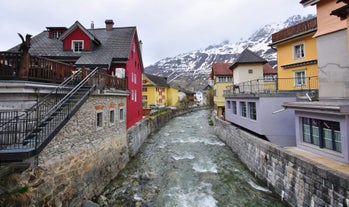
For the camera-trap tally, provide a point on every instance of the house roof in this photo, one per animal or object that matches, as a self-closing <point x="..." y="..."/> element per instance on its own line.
<point x="221" y="69"/>
<point x="247" y="57"/>
<point x="157" y="80"/>
<point x="268" y="69"/>
<point x="114" y="47"/>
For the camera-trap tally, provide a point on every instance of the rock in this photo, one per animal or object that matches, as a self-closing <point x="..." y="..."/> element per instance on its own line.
<point x="88" y="203"/>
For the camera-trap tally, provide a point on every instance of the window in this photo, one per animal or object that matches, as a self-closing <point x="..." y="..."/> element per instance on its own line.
<point x="112" y="117"/>
<point x="228" y="105"/>
<point x="243" y="109"/>
<point x="299" y="78"/>
<point x="99" y="120"/>
<point x="144" y="89"/>
<point x="322" y="133"/>
<point x="77" y="45"/>
<point x="298" y="51"/>
<point x="56" y="34"/>
<point x="121" y="114"/>
<point x="234" y="107"/>
<point x="144" y="97"/>
<point x="225" y="79"/>
<point x="252" y="110"/>
<point x="250" y="71"/>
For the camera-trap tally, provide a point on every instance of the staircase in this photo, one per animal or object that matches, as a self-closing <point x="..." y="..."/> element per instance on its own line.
<point x="24" y="134"/>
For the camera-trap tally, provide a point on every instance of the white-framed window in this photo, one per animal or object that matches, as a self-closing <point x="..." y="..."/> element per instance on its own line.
<point x="225" y="79"/>
<point x="99" y="120"/>
<point x="121" y="114"/>
<point x="299" y="78"/>
<point x="243" y="109"/>
<point x="252" y="110"/>
<point x="77" y="45"/>
<point x="298" y="50"/>
<point x="112" y="117"/>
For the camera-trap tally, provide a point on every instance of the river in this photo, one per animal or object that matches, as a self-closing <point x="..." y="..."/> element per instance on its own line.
<point x="185" y="165"/>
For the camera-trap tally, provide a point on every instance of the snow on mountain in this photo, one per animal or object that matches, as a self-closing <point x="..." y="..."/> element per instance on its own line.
<point x="195" y="66"/>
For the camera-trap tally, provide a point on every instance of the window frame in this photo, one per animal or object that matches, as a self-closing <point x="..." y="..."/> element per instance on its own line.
<point x="297" y="55"/>
<point x="74" y="42"/>
<point x="303" y="79"/>
<point x="252" y="110"/>
<point x="243" y="109"/>
<point x="122" y="114"/>
<point x="99" y="119"/>
<point x="234" y="108"/>
<point x="112" y="117"/>
<point x="314" y="133"/>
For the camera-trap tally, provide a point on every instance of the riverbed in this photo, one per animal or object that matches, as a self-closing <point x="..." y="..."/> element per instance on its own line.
<point x="185" y="165"/>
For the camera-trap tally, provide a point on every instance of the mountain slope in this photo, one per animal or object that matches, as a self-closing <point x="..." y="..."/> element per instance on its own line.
<point x="192" y="68"/>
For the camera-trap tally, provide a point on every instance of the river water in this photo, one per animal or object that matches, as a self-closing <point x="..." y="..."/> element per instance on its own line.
<point x="185" y="165"/>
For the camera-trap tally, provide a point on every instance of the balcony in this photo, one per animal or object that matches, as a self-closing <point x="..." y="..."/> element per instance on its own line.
<point x="273" y="86"/>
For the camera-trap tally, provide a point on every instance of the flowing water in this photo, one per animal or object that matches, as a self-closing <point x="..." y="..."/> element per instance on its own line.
<point x="185" y="165"/>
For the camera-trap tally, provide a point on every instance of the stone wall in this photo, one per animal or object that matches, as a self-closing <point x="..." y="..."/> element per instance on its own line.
<point x="298" y="181"/>
<point x="82" y="158"/>
<point x="137" y="134"/>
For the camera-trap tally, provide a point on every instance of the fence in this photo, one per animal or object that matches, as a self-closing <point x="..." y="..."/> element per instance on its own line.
<point x="274" y="85"/>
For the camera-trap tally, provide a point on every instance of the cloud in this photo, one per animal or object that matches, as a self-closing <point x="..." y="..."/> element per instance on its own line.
<point x="166" y="27"/>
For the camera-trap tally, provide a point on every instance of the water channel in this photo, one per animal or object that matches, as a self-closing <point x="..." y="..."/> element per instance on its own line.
<point x="185" y="165"/>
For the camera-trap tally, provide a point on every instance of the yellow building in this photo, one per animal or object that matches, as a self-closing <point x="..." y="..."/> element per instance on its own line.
<point x="223" y="79"/>
<point x="297" y="56"/>
<point x="156" y="91"/>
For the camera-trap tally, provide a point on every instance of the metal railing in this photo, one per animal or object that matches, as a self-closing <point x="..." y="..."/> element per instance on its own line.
<point x="276" y="85"/>
<point x="25" y="133"/>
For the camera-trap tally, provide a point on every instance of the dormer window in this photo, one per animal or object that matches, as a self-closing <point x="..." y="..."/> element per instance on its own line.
<point x="56" y="34"/>
<point x="77" y="45"/>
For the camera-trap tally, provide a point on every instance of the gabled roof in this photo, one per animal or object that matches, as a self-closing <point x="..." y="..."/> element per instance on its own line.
<point x="115" y="46"/>
<point x="268" y="69"/>
<point x="248" y="57"/>
<point x="73" y="28"/>
<point x="157" y="80"/>
<point x="221" y="69"/>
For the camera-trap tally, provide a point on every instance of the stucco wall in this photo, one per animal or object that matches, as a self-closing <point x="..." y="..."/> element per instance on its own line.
<point x="298" y="181"/>
<point x="333" y="65"/>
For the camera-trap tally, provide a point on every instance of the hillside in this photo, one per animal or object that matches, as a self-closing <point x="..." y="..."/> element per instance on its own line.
<point x="190" y="70"/>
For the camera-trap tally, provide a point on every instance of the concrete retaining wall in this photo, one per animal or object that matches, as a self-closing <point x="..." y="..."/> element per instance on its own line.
<point x="298" y="181"/>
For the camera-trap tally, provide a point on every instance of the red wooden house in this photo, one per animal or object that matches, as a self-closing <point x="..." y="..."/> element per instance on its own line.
<point x="115" y="49"/>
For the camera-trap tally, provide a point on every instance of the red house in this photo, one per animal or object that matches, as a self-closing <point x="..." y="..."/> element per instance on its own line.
<point x="115" y="49"/>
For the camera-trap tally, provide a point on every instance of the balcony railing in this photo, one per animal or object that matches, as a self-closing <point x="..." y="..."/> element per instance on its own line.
<point x="277" y="85"/>
<point x="50" y="71"/>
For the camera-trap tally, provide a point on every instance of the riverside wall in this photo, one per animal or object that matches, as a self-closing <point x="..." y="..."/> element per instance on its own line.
<point x="297" y="180"/>
<point x="77" y="164"/>
<point x="138" y="133"/>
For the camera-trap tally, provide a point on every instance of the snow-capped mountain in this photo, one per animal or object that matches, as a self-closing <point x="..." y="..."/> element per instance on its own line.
<point x="195" y="66"/>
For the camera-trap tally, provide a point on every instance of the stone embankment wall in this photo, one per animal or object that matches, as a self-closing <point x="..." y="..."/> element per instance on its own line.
<point x="298" y="181"/>
<point x="81" y="159"/>
<point x="138" y="133"/>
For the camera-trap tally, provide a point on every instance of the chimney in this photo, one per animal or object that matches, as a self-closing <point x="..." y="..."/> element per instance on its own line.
<point x="109" y="24"/>
<point x="92" y="25"/>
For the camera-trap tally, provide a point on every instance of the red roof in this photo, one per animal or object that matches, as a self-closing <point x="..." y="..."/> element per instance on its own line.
<point x="222" y="69"/>
<point x="267" y="69"/>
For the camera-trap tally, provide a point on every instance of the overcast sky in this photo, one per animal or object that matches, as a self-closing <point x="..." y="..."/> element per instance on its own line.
<point x="166" y="27"/>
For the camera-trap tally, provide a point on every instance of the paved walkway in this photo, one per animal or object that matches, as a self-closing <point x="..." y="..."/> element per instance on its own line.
<point x="327" y="162"/>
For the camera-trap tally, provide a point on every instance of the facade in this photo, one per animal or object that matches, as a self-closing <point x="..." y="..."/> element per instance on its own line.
<point x="322" y="126"/>
<point x="254" y="104"/>
<point x="222" y="78"/>
<point x="297" y="56"/>
<point x="115" y="49"/>
<point x="156" y="91"/>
